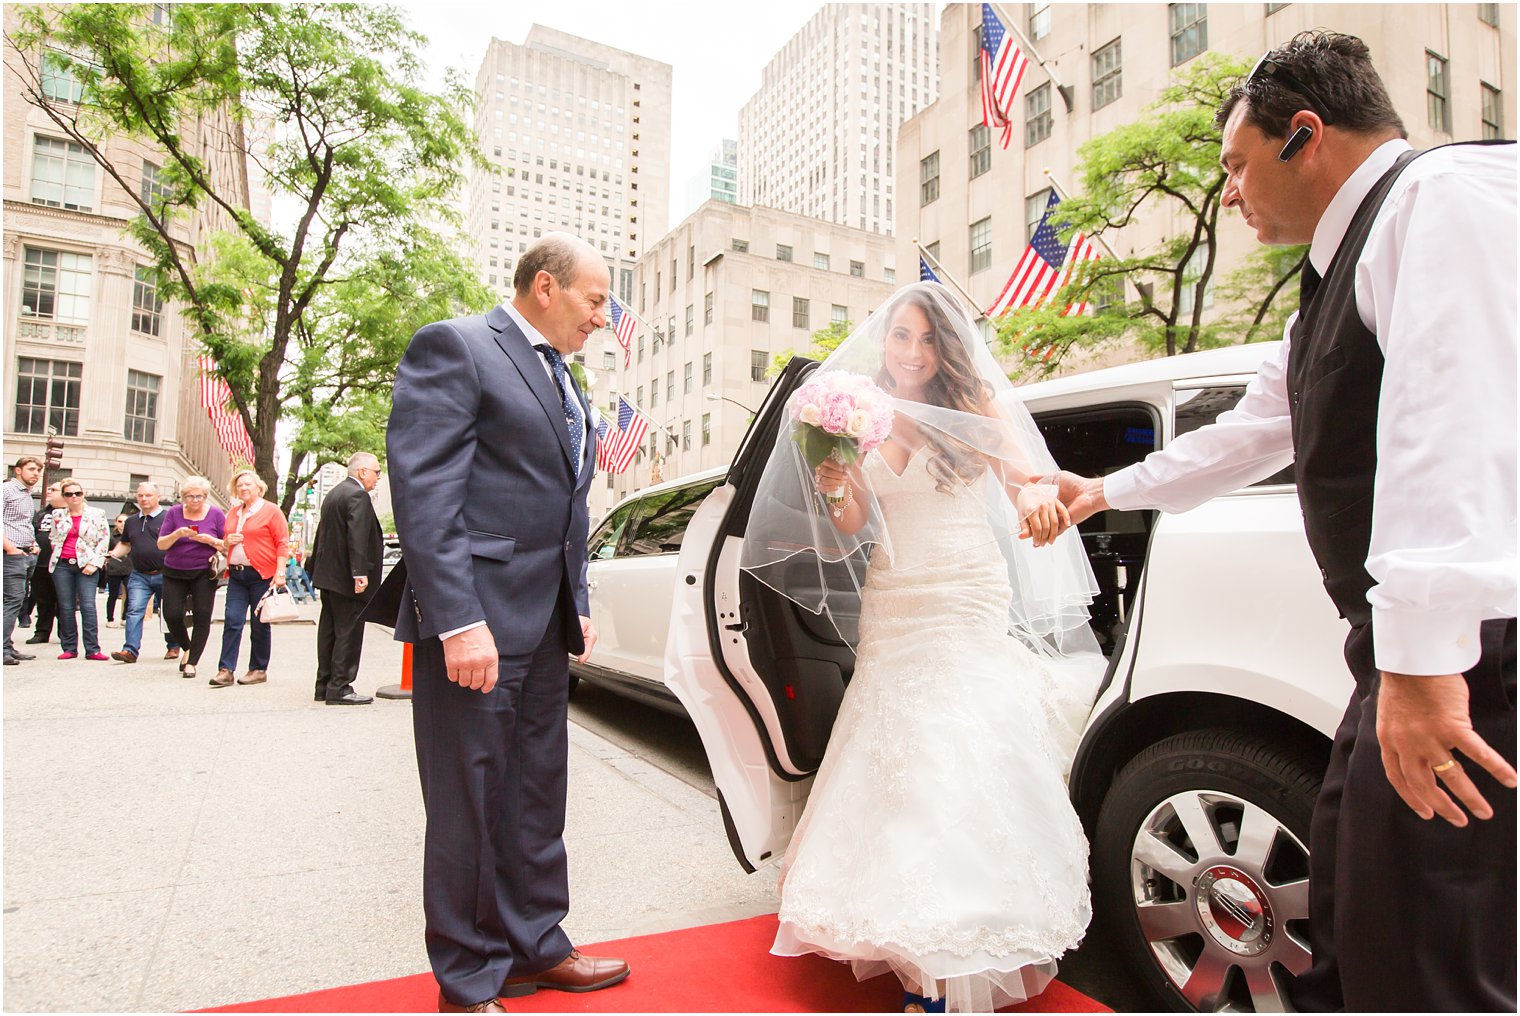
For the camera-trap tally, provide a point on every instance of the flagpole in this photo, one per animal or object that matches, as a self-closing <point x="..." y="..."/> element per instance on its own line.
<point x="946" y="276"/>
<point x="1064" y="194"/>
<point x="629" y="311"/>
<point x="641" y="411"/>
<point x="1067" y="93"/>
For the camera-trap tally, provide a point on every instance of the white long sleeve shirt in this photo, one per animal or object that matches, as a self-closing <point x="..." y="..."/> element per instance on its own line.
<point x="1436" y="283"/>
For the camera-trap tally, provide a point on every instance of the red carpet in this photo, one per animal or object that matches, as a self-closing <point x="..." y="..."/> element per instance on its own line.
<point x="716" y="968"/>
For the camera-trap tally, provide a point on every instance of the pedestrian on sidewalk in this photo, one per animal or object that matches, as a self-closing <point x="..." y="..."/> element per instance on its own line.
<point x="118" y="568"/>
<point x="20" y="546"/>
<point x="257" y="545"/>
<point x="41" y="597"/>
<point x="80" y="536"/>
<point x="146" y="582"/>
<point x="345" y="562"/>
<point x="191" y="534"/>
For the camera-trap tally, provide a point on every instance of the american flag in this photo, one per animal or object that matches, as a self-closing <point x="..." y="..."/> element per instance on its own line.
<point x="622" y="326"/>
<point x="1046" y="266"/>
<point x="216" y="400"/>
<point x="1003" y="66"/>
<point x="615" y="448"/>
<point x="925" y="273"/>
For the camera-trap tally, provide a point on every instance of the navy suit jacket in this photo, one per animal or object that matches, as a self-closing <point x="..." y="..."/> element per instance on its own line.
<point x="489" y="508"/>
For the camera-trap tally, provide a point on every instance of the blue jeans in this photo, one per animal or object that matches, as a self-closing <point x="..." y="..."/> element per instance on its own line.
<point x="76" y="591"/>
<point x="245" y="587"/>
<point x="18" y="572"/>
<point x="140" y="589"/>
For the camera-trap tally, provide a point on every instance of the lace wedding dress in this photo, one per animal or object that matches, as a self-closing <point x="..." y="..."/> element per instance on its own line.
<point x="938" y="841"/>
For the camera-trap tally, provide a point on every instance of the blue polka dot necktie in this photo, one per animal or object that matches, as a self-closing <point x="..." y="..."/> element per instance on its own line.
<point x="575" y="417"/>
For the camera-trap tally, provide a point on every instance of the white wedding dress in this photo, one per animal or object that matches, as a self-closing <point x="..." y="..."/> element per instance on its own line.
<point x="938" y="840"/>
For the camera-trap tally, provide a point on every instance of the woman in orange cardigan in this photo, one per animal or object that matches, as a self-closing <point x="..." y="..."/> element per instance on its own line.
<point x="257" y="545"/>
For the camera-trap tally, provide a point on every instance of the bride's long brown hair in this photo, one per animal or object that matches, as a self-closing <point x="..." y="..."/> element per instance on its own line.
<point x="955" y="386"/>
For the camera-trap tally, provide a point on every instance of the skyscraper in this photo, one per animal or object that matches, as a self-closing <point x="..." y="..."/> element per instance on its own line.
<point x="818" y="138"/>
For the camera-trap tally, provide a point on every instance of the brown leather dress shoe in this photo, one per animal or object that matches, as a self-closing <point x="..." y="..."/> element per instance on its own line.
<point x="489" y="1005"/>
<point x="254" y="677"/>
<point x="171" y="654"/>
<point x="223" y="679"/>
<point x="125" y="656"/>
<point x="573" y="973"/>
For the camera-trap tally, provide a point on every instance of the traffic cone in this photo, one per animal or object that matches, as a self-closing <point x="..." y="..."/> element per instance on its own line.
<point x="404" y="689"/>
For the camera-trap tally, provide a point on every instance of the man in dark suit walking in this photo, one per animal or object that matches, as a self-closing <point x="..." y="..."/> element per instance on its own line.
<point x="345" y="565"/>
<point x="491" y="456"/>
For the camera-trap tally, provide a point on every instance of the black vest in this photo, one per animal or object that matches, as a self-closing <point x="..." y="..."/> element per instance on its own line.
<point x="1335" y="375"/>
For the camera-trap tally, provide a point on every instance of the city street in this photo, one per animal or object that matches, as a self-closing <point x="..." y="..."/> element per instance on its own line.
<point x="170" y="846"/>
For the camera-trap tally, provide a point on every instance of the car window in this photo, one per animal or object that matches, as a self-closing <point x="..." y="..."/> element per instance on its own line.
<point x="604" y="542"/>
<point x="1199" y="407"/>
<point x="660" y="522"/>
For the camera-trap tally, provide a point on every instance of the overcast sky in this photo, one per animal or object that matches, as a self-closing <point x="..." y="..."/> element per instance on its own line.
<point x="716" y="51"/>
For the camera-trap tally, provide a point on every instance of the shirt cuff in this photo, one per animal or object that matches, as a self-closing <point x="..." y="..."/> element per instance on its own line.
<point x="1121" y="491"/>
<point x="456" y="631"/>
<point x="1425" y="643"/>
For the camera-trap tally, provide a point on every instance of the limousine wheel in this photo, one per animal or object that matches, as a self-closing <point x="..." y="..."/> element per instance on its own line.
<point x="1201" y="870"/>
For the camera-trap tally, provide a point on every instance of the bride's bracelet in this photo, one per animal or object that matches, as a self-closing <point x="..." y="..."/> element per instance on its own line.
<point x="837" y="508"/>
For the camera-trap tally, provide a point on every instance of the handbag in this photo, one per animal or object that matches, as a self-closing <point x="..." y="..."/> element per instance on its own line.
<point x="278" y="604"/>
<point x="218" y="564"/>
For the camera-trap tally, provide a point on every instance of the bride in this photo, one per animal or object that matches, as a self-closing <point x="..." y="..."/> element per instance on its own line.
<point x="938" y="841"/>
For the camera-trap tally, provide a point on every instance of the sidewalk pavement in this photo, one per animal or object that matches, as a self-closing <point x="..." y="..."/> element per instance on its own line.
<point x="170" y="846"/>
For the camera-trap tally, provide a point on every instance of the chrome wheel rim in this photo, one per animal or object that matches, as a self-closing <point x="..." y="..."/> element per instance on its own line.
<point x="1221" y="891"/>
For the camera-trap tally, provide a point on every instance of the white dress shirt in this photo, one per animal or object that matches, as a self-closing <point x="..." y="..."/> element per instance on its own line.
<point x="1436" y="283"/>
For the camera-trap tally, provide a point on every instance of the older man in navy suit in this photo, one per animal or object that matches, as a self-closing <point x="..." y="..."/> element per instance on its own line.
<point x="491" y="454"/>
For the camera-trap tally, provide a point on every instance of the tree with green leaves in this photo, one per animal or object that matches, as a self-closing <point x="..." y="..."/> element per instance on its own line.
<point x="306" y="320"/>
<point x="820" y="344"/>
<point x="1163" y="166"/>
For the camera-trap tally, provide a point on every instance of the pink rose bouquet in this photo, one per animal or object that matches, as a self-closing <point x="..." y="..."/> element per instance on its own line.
<point x="839" y="415"/>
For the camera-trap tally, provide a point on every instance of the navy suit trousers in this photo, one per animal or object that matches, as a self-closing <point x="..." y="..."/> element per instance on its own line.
<point x="493" y="770"/>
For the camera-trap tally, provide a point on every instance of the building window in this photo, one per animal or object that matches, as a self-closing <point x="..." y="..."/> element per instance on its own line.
<point x="820" y="261"/>
<point x="1190" y="276"/>
<point x="142" y="407"/>
<point x="933" y="251"/>
<point x="1039" y="22"/>
<point x="63" y="175"/>
<point x="981" y="245"/>
<point x="147" y="308"/>
<point x="609" y="360"/>
<point x="757" y="364"/>
<point x="976" y="52"/>
<point x="641" y="349"/>
<point x="691" y="256"/>
<point x="691" y="319"/>
<point x="889" y="274"/>
<point x="707" y="309"/>
<point x="839" y="314"/>
<point x="981" y="150"/>
<point x="655" y="343"/>
<point x="654" y="395"/>
<point x="1034" y="211"/>
<point x="707" y="428"/>
<point x="685" y="435"/>
<point x="1037" y="119"/>
<point x="670" y="386"/>
<point x="799" y="312"/>
<point x="1489" y="14"/>
<point x="928" y="178"/>
<point x="741" y="246"/>
<point x="56" y="285"/>
<point x="783" y="252"/>
<point x="1491" y="112"/>
<point x="1190" y="31"/>
<point x="1437" y="88"/>
<point x="858" y="269"/>
<point x="686" y="379"/>
<point x="152" y="189"/>
<point x="706" y="370"/>
<point x="639" y="398"/>
<point x="670" y="329"/>
<point x="47" y="395"/>
<point x="759" y="305"/>
<point x="1107" y="74"/>
<point x="60" y="83"/>
<point x="1108" y="295"/>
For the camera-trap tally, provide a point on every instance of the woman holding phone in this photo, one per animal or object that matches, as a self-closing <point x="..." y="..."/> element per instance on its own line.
<point x="192" y="532"/>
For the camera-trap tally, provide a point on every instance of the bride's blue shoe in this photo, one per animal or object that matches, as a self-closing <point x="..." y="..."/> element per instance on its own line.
<point x="918" y="1003"/>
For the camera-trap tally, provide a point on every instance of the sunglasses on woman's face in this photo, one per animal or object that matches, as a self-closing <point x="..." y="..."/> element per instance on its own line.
<point x="73" y="493"/>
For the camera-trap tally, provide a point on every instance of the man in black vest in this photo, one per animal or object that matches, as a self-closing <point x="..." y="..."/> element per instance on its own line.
<point x="345" y="565"/>
<point x="1394" y="396"/>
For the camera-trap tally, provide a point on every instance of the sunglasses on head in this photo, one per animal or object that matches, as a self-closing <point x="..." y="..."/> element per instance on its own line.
<point x="1269" y="69"/>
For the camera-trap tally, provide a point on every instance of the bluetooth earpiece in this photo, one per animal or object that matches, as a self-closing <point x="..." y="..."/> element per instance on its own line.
<point x="1298" y="140"/>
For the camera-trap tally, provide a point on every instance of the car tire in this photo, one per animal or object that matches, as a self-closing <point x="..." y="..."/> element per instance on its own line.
<point x="1200" y="869"/>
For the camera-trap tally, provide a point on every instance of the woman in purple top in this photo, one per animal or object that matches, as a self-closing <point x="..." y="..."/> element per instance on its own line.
<point x="191" y="532"/>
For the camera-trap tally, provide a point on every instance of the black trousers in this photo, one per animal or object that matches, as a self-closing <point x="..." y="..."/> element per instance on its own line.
<point x="1409" y="915"/>
<point x="41" y="602"/>
<point x="493" y="769"/>
<point x="340" y="640"/>
<point x="200" y="592"/>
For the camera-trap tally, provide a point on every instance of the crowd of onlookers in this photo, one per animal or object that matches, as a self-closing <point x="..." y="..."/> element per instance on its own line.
<point x="159" y="560"/>
<point x="169" y="557"/>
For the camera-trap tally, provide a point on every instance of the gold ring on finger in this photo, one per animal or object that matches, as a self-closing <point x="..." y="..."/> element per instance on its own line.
<point x="1444" y="766"/>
